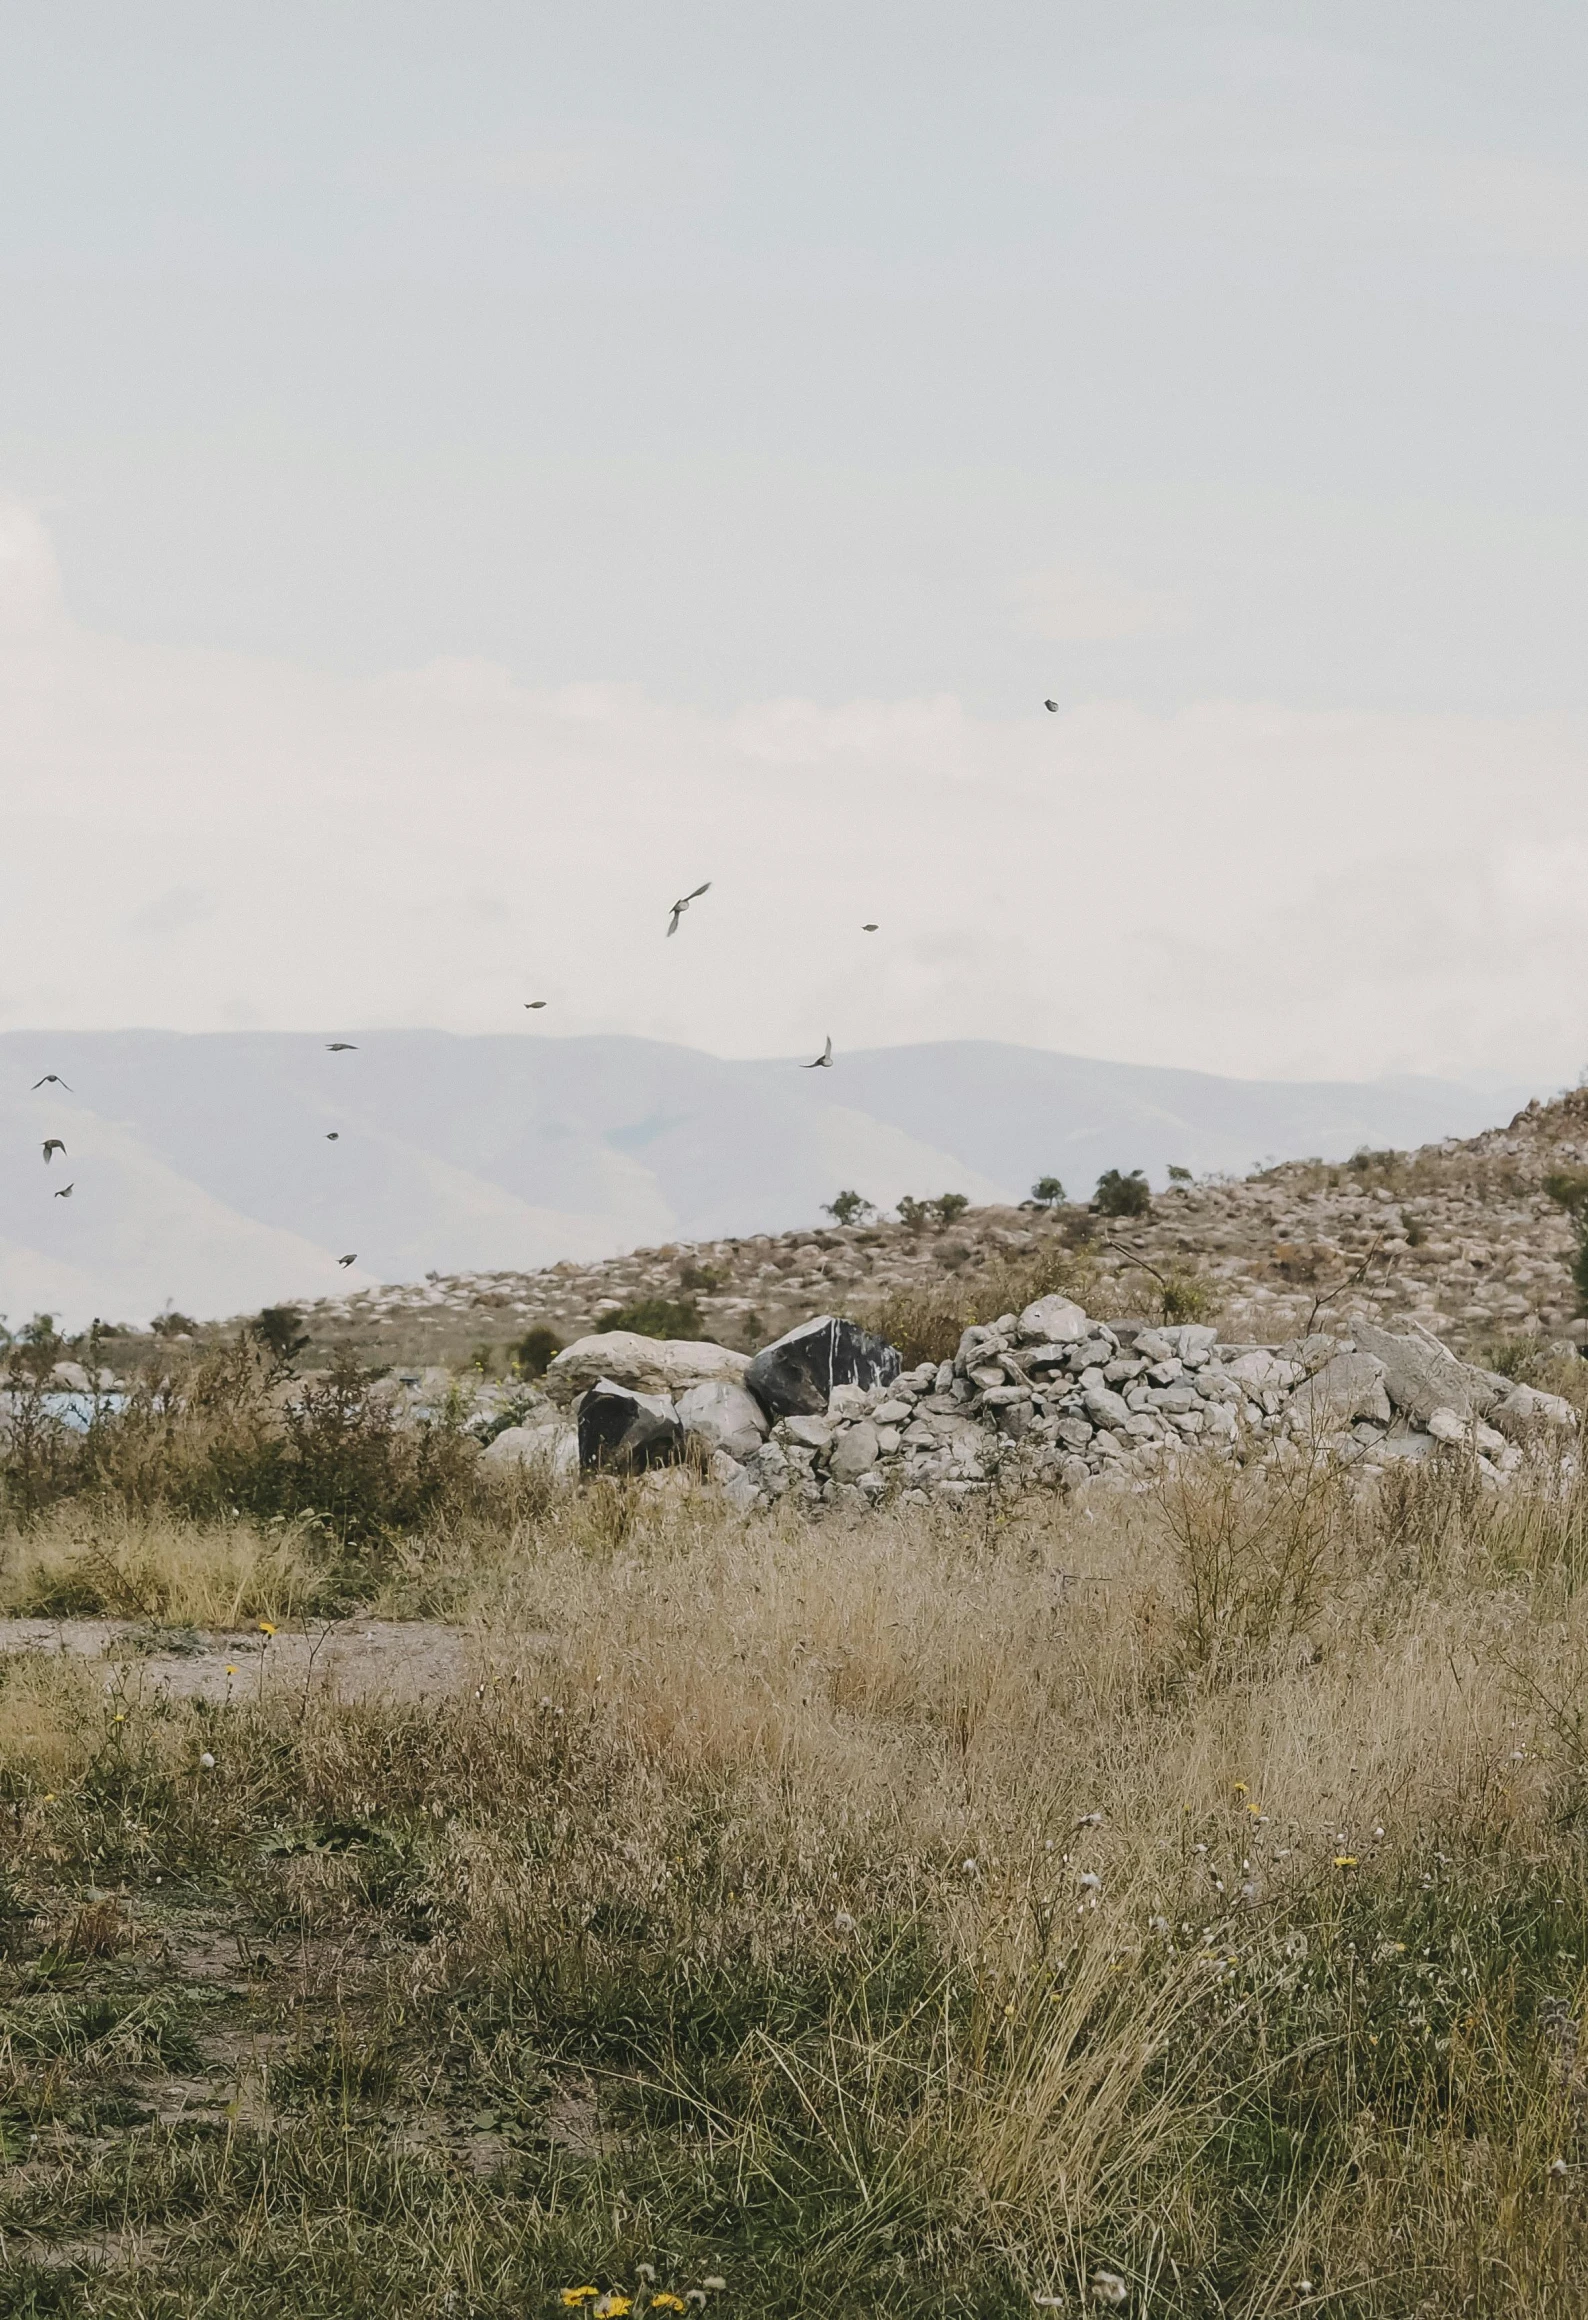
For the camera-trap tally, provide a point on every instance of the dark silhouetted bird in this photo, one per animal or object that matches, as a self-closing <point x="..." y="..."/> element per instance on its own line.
<point x="870" y="926"/>
<point x="50" y="1079"/>
<point x="332" y="1135"/>
<point x="683" y="903"/>
<point x="532" y="1004"/>
<point x="52" y="1145"/>
<point x="1053" y="705"/>
<point x="349" y="1260"/>
<point x="824" y="1062"/>
<point x="340" y="1047"/>
<point x="66" y="1191"/>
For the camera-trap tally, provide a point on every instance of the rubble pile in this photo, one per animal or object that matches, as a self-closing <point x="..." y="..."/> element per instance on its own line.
<point x="1050" y="1396"/>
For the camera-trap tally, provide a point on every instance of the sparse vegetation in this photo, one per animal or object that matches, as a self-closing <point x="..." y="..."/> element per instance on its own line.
<point x="1049" y="1191"/>
<point x="927" y="1321"/>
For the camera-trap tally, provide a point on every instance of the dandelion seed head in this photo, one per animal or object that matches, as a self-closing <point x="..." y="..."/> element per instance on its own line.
<point x="843" y="1922"/>
<point x="208" y="1761"/>
<point x="715" y="2282"/>
<point x="1557" y="2166"/>
<point x="1109" y="2288"/>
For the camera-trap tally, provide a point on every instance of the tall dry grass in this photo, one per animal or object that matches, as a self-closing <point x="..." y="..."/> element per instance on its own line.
<point x="918" y="1915"/>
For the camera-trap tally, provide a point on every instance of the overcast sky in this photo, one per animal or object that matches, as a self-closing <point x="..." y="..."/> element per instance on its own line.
<point x="470" y="471"/>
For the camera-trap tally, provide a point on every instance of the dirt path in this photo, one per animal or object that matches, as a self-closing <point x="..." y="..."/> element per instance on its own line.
<point x="354" y="1658"/>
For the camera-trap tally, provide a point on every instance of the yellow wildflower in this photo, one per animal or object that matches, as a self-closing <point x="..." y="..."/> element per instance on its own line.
<point x="1345" y="1860"/>
<point x="574" y="2297"/>
<point x="666" y="2302"/>
<point x="267" y="1627"/>
<point x="1241" y="1788"/>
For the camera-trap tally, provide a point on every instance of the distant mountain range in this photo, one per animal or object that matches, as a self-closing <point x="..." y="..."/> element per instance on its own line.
<point x="222" y="1171"/>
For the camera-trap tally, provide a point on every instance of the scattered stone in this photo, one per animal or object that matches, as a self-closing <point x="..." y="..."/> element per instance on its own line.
<point x="797" y="1372"/>
<point x="719" y="1415"/>
<point x="623" y="1432"/>
<point x="1421" y="1377"/>
<point x="555" y="1445"/>
<point x="646" y="1365"/>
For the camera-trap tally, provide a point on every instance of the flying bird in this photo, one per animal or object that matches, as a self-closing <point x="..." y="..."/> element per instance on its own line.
<point x="331" y="1135"/>
<point x="340" y="1047"/>
<point x="50" y="1079"/>
<point x="1053" y="705"/>
<point x="824" y="1062"/>
<point x="683" y="903"/>
<point x="870" y="926"/>
<point x="349" y="1260"/>
<point x="534" y="1003"/>
<point x="52" y="1145"/>
<point x="65" y="1191"/>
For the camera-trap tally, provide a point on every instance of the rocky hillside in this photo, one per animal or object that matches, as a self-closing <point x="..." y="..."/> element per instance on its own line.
<point x="1460" y="1237"/>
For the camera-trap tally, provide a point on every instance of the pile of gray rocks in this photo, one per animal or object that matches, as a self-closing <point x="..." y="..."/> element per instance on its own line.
<point x="827" y="1415"/>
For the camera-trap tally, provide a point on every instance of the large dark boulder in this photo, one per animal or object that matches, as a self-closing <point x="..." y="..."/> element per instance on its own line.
<point x="622" y="1432"/>
<point x="792" y="1377"/>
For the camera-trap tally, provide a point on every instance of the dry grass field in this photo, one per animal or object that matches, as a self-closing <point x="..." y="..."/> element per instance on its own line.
<point x="1176" y="1903"/>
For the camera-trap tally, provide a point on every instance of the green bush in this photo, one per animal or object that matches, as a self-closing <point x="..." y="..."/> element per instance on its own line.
<point x="1118" y="1195"/>
<point x="535" y="1351"/>
<point x="1568" y="1188"/>
<point x="1048" y="1190"/>
<point x="848" y="1208"/>
<point x="658" y="1317"/>
<point x="280" y="1330"/>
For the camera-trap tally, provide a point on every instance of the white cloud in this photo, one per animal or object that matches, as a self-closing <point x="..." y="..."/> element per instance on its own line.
<point x="1236" y="887"/>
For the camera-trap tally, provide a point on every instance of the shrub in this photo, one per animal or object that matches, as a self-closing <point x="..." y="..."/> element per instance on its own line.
<point x="1181" y="1176"/>
<point x="915" y="1215"/>
<point x="1568" y="1188"/>
<point x="1185" y="1297"/>
<point x="927" y="1319"/>
<point x="658" y="1317"/>
<point x="1048" y="1190"/>
<point x="535" y="1351"/>
<point x="950" y="1206"/>
<point x="279" y="1329"/>
<point x="1118" y="1195"/>
<point x="848" y="1208"/>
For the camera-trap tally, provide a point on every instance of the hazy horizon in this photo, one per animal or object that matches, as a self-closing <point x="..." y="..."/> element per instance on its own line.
<point x="467" y="478"/>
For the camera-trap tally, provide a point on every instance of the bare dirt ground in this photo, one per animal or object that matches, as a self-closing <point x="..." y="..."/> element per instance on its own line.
<point x="350" y="1659"/>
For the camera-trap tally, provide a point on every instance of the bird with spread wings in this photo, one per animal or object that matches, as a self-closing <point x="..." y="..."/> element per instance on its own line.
<point x="683" y="903"/>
